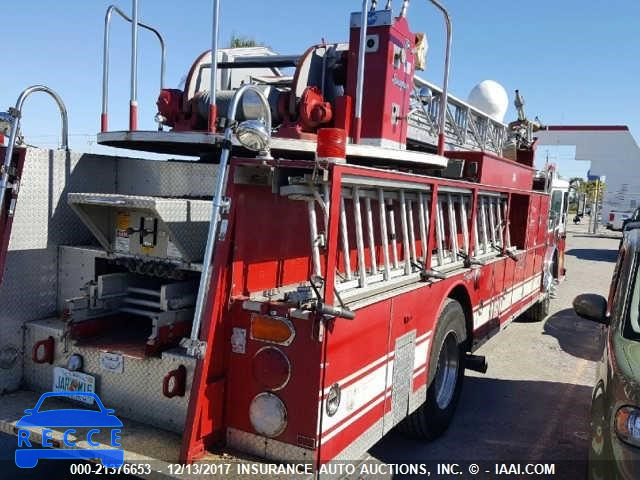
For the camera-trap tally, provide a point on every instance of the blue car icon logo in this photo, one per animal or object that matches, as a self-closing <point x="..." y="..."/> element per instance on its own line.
<point x="98" y="422"/>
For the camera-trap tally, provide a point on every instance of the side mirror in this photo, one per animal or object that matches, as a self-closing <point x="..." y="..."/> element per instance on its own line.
<point x="592" y="307"/>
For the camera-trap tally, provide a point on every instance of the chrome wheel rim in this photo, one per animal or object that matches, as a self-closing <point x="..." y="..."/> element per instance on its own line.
<point x="447" y="371"/>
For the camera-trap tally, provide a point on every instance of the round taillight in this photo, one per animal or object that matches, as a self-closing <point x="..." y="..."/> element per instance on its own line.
<point x="268" y="415"/>
<point x="271" y="368"/>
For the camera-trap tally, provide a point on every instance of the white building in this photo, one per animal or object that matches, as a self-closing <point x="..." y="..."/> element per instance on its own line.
<point x="613" y="153"/>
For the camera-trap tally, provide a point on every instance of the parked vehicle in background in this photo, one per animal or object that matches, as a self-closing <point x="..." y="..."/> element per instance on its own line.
<point x="617" y="219"/>
<point x="615" y="410"/>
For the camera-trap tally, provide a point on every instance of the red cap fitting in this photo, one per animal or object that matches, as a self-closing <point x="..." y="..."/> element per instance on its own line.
<point x="133" y="116"/>
<point x="332" y="143"/>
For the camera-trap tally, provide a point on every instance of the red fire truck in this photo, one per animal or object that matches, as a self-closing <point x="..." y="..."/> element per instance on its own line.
<point x="349" y="235"/>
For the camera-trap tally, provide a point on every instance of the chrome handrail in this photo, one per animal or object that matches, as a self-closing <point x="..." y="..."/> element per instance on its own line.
<point x="360" y="72"/>
<point x="105" y="61"/>
<point x="213" y="87"/>
<point x="195" y="347"/>
<point x="16" y="113"/>
<point x="445" y="82"/>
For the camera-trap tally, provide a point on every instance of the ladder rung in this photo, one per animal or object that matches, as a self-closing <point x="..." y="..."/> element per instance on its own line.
<point x="422" y="225"/>
<point x="346" y="253"/>
<point x="371" y="236"/>
<point x="483" y="214"/>
<point x="412" y="235"/>
<point x="362" y="270"/>
<point x="465" y="224"/>
<point x="393" y="237"/>
<point x="453" y="229"/>
<point x="313" y="231"/>
<point x="384" y="234"/>
<point x="405" y="233"/>
<point x="439" y="233"/>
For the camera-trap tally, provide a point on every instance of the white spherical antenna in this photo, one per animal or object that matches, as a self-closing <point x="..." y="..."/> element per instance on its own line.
<point x="491" y="98"/>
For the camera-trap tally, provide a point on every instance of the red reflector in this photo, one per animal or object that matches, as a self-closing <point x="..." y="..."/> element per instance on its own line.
<point x="271" y="368"/>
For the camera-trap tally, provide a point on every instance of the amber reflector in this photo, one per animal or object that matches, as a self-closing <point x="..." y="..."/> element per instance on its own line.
<point x="270" y="329"/>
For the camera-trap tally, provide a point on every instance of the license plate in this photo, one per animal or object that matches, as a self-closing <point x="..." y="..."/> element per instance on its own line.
<point x="67" y="381"/>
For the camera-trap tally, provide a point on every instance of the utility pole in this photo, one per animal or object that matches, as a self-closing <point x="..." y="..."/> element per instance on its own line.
<point x="594" y="208"/>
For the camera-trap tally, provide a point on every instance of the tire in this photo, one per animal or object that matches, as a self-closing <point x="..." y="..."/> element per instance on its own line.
<point x="432" y="418"/>
<point x="539" y="311"/>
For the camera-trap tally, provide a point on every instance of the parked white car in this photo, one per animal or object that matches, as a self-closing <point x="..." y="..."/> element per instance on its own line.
<point x="617" y="218"/>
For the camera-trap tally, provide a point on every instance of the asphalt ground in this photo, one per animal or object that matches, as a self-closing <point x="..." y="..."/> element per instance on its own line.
<point x="532" y="405"/>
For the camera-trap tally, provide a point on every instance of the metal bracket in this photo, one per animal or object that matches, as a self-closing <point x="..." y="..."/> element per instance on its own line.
<point x="225" y="205"/>
<point x="195" y="348"/>
<point x="15" y="113"/>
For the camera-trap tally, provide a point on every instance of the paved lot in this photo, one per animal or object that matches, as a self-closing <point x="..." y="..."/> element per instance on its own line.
<point x="532" y="405"/>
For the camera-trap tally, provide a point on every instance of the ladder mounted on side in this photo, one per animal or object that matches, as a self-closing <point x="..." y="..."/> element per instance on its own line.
<point x="389" y="224"/>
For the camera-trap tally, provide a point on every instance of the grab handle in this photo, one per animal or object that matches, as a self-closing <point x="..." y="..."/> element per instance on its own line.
<point x="47" y="351"/>
<point x="177" y="387"/>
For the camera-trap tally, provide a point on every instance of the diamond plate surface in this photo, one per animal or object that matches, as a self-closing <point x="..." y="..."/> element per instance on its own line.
<point x="136" y="393"/>
<point x="34" y="286"/>
<point x="417" y="398"/>
<point x="76" y="269"/>
<point x="402" y="375"/>
<point x="185" y="221"/>
<point x="267" y="448"/>
<point x="167" y="179"/>
<point x="42" y="221"/>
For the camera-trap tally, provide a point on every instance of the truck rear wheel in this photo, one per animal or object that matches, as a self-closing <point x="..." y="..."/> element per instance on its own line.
<point x="446" y="373"/>
<point x="539" y="310"/>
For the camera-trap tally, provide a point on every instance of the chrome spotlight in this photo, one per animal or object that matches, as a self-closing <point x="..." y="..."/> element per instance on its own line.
<point x="253" y="135"/>
<point x="425" y="95"/>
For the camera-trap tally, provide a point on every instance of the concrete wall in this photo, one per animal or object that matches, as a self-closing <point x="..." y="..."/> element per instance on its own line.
<point x="613" y="152"/>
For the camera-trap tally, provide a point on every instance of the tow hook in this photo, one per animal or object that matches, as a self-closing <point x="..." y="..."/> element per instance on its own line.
<point x="477" y="363"/>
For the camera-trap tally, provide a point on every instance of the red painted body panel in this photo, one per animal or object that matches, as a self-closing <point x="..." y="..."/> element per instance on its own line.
<point x="494" y="170"/>
<point x="267" y="247"/>
<point x="305" y="356"/>
<point x="389" y="81"/>
<point x="6" y="220"/>
<point x="278" y="253"/>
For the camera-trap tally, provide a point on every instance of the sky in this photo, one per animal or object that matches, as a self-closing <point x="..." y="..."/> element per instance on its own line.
<point x="575" y="61"/>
